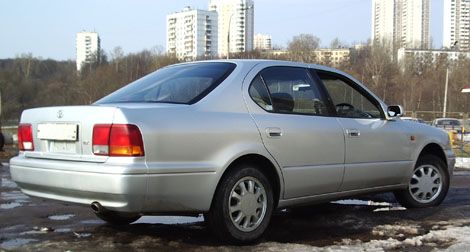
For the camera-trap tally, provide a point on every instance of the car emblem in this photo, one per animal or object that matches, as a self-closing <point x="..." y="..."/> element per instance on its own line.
<point x="60" y="114"/>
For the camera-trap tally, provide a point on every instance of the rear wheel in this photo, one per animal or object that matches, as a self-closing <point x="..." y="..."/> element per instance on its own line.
<point x="428" y="185"/>
<point x="242" y="206"/>
<point x="116" y="218"/>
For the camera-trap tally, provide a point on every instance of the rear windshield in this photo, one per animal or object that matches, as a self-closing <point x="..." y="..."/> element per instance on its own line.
<point x="448" y="122"/>
<point x="184" y="84"/>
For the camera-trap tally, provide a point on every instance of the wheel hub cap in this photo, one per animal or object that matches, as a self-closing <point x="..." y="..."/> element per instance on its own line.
<point x="247" y="204"/>
<point x="425" y="184"/>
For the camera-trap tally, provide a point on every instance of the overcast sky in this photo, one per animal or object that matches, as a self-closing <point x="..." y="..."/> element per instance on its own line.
<point x="47" y="28"/>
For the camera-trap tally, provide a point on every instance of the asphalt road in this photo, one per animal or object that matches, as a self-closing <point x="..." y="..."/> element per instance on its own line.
<point x="372" y="223"/>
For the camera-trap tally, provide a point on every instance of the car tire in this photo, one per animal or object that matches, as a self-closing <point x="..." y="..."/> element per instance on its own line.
<point x="428" y="185"/>
<point x="116" y="218"/>
<point x="242" y="206"/>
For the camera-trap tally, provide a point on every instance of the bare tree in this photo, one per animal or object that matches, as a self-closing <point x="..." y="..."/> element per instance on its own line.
<point x="302" y="47"/>
<point x="336" y="43"/>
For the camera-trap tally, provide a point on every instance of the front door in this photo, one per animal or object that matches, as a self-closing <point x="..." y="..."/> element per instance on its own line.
<point x="377" y="152"/>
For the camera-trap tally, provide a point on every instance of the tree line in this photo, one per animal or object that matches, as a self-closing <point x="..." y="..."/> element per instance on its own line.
<point x="417" y="83"/>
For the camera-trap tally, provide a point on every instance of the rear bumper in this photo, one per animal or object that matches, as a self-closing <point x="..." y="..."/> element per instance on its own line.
<point x="125" y="188"/>
<point x="74" y="182"/>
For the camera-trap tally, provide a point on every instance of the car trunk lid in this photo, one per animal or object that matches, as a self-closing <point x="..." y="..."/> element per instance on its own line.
<point x="66" y="133"/>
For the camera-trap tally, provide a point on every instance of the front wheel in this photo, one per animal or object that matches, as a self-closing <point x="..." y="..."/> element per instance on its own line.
<point x="242" y="206"/>
<point x="428" y="185"/>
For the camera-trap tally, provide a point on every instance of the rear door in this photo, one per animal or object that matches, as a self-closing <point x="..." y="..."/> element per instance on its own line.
<point x="294" y="123"/>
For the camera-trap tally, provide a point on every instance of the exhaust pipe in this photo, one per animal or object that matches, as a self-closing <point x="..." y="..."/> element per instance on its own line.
<point x="97" y="207"/>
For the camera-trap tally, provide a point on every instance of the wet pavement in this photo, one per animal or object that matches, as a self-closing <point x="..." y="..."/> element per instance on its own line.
<point x="368" y="223"/>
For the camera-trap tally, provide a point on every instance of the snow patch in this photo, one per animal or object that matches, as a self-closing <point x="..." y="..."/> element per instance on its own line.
<point x="463" y="163"/>
<point x="61" y="217"/>
<point x="361" y="202"/>
<point x="6" y="183"/>
<point x="15" y="243"/>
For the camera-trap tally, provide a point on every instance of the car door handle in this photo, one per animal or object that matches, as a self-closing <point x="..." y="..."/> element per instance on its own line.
<point x="353" y="133"/>
<point x="274" y="132"/>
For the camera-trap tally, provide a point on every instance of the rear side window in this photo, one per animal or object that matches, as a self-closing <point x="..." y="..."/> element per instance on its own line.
<point x="185" y="84"/>
<point x="260" y="95"/>
<point x="287" y="90"/>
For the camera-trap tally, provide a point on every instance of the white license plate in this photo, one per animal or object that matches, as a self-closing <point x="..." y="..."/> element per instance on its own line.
<point x="62" y="147"/>
<point x="56" y="131"/>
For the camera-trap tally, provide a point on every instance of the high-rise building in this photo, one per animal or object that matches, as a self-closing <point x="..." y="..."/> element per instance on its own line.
<point x="236" y="24"/>
<point x="402" y="23"/>
<point x="88" y="48"/>
<point x="263" y="42"/>
<point x="192" y="34"/>
<point x="456" y="33"/>
<point x="413" y="28"/>
<point x="383" y="20"/>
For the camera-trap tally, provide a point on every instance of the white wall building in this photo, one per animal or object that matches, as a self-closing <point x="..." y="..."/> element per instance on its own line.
<point x="88" y="48"/>
<point x="383" y="20"/>
<point x="414" y="30"/>
<point x="433" y="55"/>
<point x="404" y="23"/>
<point x="456" y="24"/>
<point x="192" y="34"/>
<point x="236" y="23"/>
<point x="263" y="42"/>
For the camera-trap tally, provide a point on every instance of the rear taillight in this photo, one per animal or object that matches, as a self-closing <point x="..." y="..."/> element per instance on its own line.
<point x="122" y="140"/>
<point x="25" y="137"/>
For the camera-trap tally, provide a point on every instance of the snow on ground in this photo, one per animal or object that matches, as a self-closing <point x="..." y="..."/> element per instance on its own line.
<point x="444" y="235"/>
<point x="463" y="163"/>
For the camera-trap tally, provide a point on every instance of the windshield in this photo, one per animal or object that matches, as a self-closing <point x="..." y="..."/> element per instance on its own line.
<point x="184" y="84"/>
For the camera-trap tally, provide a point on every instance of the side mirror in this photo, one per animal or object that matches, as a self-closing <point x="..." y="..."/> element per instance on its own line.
<point x="395" y="111"/>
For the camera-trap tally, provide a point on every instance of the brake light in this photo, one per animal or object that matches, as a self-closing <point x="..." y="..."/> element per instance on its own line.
<point x="25" y="137"/>
<point x="123" y="140"/>
<point x="101" y="139"/>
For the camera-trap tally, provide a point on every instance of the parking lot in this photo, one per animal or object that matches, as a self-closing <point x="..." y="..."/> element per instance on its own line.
<point x="372" y="223"/>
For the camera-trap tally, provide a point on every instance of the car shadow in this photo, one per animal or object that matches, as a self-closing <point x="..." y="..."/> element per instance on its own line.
<point x="318" y="225"/>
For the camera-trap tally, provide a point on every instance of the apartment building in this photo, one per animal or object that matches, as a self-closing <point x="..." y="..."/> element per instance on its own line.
<point x="192" y="34"/>
<point x="332" y="57"/>
<point x="235" y="25"/>
<point x="88" y="48"/>
<point x="263" y="42"/>
<point x="456" y="34"/>
<point x="401" y="23"/>
<point x="430" y="55"/>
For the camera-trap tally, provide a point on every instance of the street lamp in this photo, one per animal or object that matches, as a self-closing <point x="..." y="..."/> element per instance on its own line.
<point x="229" y="26"/>
<point x="444" y="111"/>
<point x="445" y="93"/>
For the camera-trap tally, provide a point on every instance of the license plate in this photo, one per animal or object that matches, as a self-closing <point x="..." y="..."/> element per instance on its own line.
<point x="62" y="147"/>
<point x="55" y="131"/>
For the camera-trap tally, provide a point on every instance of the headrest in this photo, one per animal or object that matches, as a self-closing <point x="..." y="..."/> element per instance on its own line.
<point x="282" y="102"/>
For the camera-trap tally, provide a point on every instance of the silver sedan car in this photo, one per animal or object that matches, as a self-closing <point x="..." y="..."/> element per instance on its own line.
<point x="233" y="140"/>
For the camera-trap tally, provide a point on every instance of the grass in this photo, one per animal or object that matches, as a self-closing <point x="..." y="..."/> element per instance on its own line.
<point x="462" y="151"/>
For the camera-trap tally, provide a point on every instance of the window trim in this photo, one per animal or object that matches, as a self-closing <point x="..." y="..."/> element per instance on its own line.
<point x="354" y="85"/>
<point x="319" y="85"/>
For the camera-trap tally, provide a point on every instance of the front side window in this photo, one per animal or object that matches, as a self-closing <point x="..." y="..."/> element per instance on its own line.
<point x="184" y="84"/>
<point x="287" y="90"/>
<point x="348" y="101"/>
